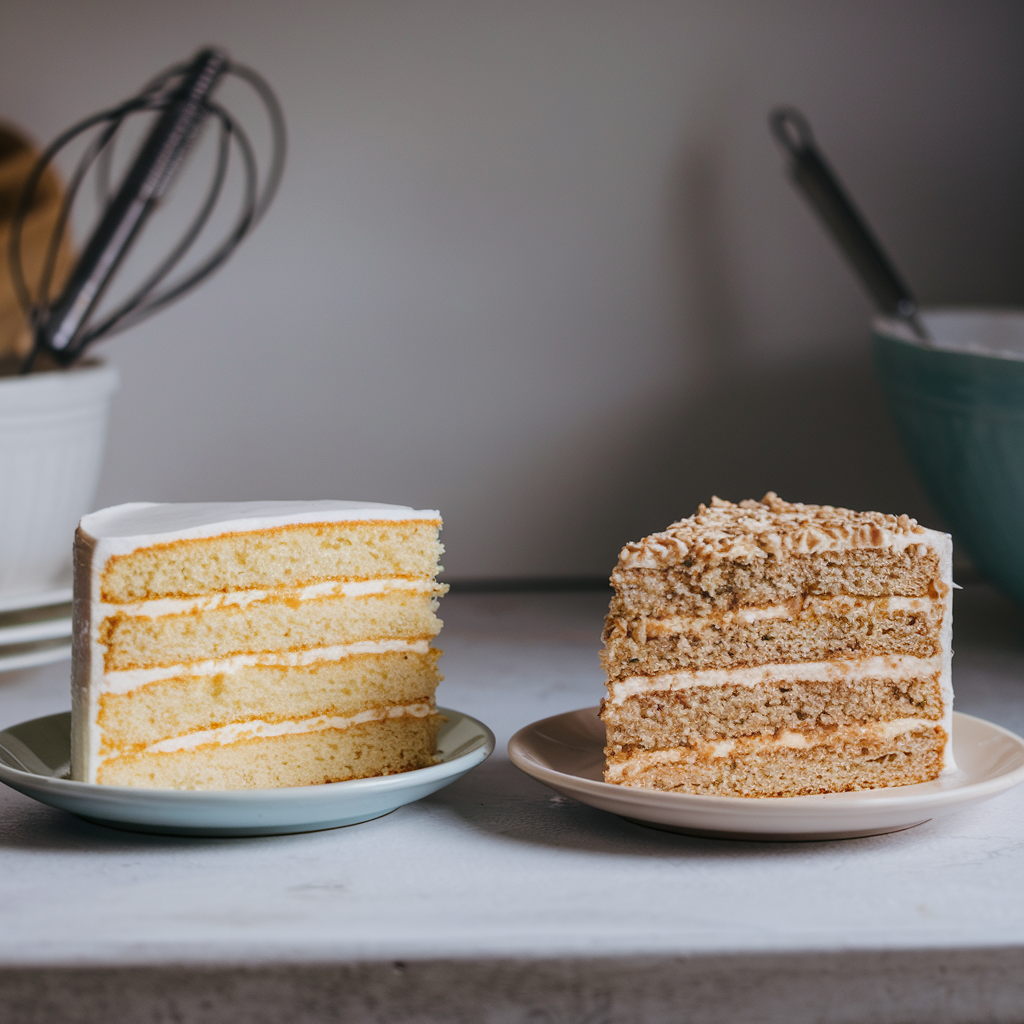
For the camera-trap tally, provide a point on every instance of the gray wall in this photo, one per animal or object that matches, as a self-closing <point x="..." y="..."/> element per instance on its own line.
<point x="535" y="262"/>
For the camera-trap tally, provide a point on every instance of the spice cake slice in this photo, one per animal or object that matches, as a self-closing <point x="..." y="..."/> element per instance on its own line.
<point x="776" y="649"/>
<point x="254" y="644"/>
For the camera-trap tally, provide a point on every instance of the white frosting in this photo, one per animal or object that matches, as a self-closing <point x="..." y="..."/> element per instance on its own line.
<point x="123" y="528"/>
<point x="244" y="598"/>
<point x="130" y="679"/>
<point x="945" y="549"/>
<point x="899" y="667"/>
<point x="257" y="729"/>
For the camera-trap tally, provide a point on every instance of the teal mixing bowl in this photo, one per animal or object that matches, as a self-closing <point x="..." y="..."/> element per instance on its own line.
<point x="959" y="408"/>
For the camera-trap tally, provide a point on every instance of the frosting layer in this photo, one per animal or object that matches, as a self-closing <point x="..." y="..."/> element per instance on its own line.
<point x="159" y="522"/>
<point x="896" y="668"/>
<point x="131" y="679"/>
<point x="238" y="731"/>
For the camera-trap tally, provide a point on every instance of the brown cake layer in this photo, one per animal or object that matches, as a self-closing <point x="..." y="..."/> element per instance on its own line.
<point x="665" y="719"/>
<point x="698" y="587"/>
<point x="808" y="629"/>
<point x="833" y="761"/>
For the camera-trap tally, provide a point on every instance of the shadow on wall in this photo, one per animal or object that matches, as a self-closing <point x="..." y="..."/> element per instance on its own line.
<point x="813" y="429"/>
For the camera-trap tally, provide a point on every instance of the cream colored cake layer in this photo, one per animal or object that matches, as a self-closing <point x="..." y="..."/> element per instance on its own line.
<point x="793" y="763"/>
<point x="135" y="642"/>
<point x="339" y="687"/>
<point x="184" y="550"/>
<point x="383" y="746"/>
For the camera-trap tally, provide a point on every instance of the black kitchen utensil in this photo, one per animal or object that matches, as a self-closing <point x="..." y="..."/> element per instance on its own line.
<point x="182" y="97"/>
<point x="822" y="189"/>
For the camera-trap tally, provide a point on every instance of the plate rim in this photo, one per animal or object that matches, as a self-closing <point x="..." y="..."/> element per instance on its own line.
<point x="280" y="794"/>
<point x="737" y="804"/>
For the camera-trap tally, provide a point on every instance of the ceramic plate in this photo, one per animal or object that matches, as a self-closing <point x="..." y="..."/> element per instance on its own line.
<point x="34" y="758"/>
<point x="566" y="753"/>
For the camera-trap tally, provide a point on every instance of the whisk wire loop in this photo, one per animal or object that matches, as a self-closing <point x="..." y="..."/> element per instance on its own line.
<point x="181" y="97"/>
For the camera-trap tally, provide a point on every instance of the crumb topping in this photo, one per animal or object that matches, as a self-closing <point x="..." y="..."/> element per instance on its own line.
<point x="758" y="529"/>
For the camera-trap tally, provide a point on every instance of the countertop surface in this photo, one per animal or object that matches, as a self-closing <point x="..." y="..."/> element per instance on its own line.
<point x="498" y="866"/>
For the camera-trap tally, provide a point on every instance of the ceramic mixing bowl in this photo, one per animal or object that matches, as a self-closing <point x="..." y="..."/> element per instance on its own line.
<point x="52" y="431"/>
<point x="959" y="408"/>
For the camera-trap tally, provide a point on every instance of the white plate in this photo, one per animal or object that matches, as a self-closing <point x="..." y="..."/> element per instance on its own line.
<point x="34" y="757"/>
<point x="31" y="655"/>
<point x="566" y="752"/>
<point x="17" y="600"/>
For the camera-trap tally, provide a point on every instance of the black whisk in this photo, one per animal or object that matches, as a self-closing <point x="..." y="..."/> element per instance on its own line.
<point x="63" y="327"/>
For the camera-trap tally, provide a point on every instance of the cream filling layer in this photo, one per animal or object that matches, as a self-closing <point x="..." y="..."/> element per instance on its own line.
<point x="239" y="731"/>
<point x="788" y="739"/>
<point x="899" y="667"/>
<point x="244" y="598"/>
<point x="795" y="740"/>
<point x="130" y="679"/>
<point x="836" y="607"/>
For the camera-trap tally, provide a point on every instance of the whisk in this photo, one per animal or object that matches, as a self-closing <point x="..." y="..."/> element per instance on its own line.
<point x="63" y="326"/>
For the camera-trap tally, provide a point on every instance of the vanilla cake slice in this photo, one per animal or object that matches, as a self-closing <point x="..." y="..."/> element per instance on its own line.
<point x="770" y="649"/>
<point x="254" y="644"/>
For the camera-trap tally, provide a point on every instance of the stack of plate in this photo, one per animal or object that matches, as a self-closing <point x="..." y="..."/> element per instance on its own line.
<point x="35" y="628"/>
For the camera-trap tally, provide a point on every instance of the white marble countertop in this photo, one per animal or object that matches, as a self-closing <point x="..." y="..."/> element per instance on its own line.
<point x="497" y="866"/>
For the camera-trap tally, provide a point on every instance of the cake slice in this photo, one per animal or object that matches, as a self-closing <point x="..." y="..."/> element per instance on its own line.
<point x="254" y="644"/>
<point x="771" y="649"/>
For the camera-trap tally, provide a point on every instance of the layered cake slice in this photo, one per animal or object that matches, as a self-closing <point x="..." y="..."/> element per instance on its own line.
<point x="771" y="649"/>
<point x="254" y="644"/>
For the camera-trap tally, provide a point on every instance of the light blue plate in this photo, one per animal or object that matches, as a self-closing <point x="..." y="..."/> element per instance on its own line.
<point x="34" y="758"/>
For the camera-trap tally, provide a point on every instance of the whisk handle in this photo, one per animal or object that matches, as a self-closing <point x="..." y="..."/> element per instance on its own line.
<point x="148" y="178"/>
<point x="822" y="189"/>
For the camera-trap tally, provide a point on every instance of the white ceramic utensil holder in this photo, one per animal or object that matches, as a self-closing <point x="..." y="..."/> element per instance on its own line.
<point x="52" y="431"/>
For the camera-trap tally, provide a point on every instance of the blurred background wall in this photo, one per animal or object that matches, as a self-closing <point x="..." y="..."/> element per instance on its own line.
<point x="535" y="262"/>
